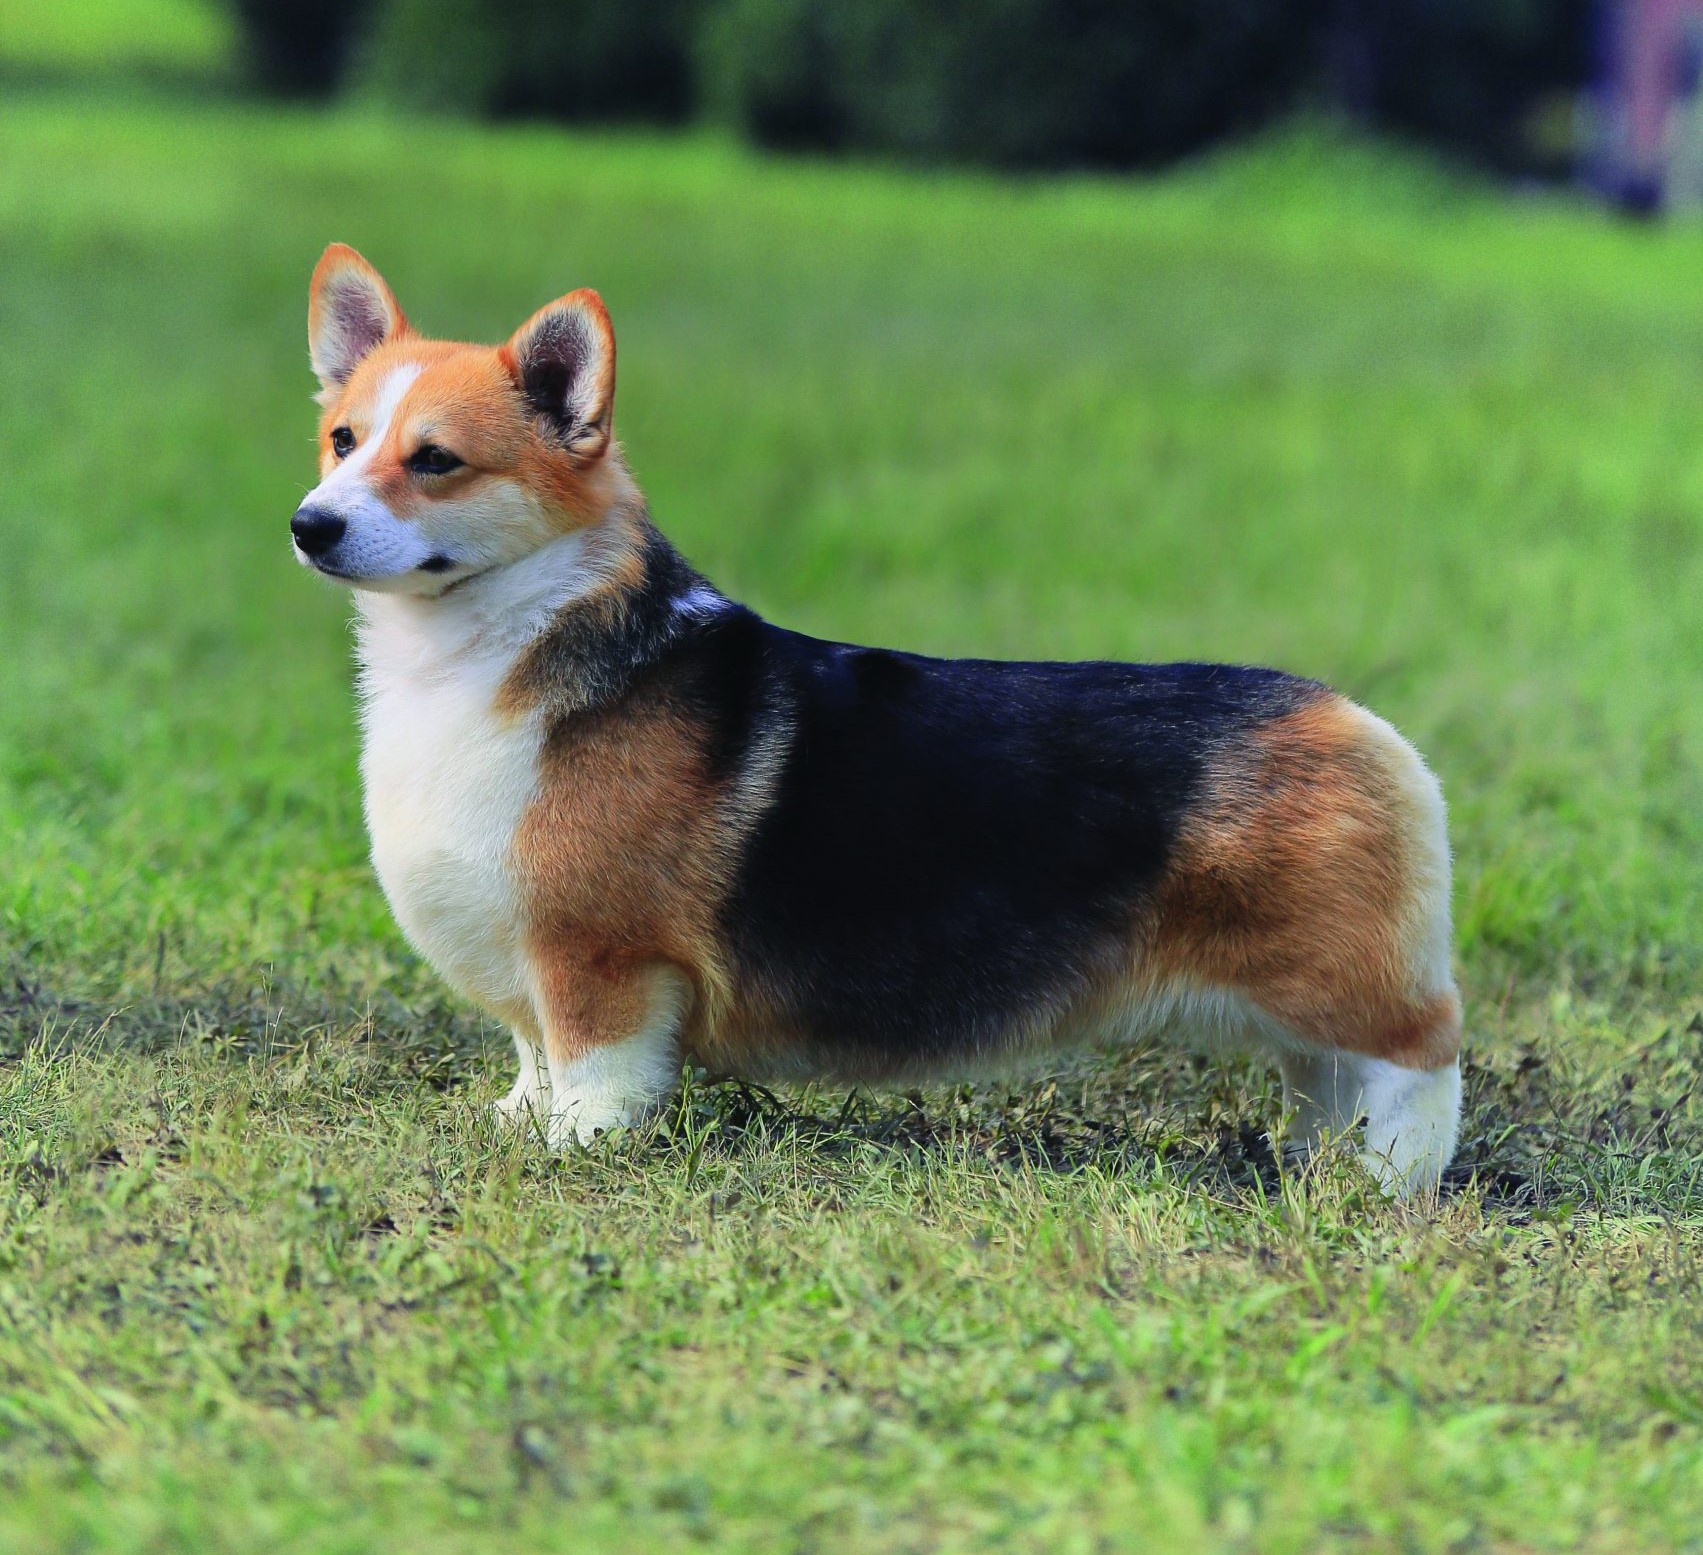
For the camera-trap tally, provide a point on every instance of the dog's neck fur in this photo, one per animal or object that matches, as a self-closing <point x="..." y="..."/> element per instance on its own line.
<point x="567" y="628"/>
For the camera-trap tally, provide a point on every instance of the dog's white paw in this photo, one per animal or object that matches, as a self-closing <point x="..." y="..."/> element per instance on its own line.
<point x="616" y="1084"/>
<point x="577" y="1120"/>
<point x="519" y="1108"/>
<point x="1410" y="1116"/>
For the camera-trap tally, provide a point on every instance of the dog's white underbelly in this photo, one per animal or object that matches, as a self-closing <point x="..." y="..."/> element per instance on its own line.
<point x="445" y="781"/>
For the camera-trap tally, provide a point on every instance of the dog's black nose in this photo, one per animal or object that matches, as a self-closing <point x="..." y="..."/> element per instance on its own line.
<point x="316" y="531"/>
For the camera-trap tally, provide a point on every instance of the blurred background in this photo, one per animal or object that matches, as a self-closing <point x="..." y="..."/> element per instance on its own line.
<point x="1603" y="91"/>
<point x="1361" y="338"/>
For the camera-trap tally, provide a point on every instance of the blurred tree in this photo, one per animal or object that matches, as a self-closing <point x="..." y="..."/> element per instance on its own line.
<point x="772" y="69"/>
<point x="1466" y="74"/>
<point x="1017" y="83"/>
<point x="564" y="59"/>
<point x="1011" y="83"/>
<point x="297" y="48"/>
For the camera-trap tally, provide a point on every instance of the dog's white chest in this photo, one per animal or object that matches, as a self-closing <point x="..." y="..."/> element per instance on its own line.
<point x="446" y="778"/>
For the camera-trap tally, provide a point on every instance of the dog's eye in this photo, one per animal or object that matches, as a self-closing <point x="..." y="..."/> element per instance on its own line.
<point x="429" y="459"/>
<point x="342" y="442"/>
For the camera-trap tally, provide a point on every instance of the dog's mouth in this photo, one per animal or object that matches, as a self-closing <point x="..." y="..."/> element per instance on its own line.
<point x="320" y="565"/>
<point x="435" y="565"/>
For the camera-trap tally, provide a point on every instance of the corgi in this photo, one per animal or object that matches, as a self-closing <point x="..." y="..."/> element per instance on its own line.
<point x="641" y="826"/>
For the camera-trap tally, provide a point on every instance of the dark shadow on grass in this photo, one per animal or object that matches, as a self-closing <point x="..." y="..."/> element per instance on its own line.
<point x="426" y="1039"/>
<point x="1062" y="1125"/>
<point x="1539" y="1137"/>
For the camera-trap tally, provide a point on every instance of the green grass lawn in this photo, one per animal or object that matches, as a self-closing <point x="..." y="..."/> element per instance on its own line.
<point x="118" y="39"/>
<point x="268" y="1280"/>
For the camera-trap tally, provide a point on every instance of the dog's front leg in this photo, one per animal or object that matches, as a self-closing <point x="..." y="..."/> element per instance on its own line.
<point x="529" y="1096"/>
<point x="611" y="1044"/>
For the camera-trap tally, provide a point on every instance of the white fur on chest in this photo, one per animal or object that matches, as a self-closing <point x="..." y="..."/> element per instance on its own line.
<point x="445" y="781"/>
<point x="446" y="776"/>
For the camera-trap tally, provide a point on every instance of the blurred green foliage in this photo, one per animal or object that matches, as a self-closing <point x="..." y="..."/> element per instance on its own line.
<point x="1018" y="83"/>
<point x="1008" y="83"/>
<point x="560" y="59"/>
<point x="297" y="48"/>
<point x="1471" y="75"/>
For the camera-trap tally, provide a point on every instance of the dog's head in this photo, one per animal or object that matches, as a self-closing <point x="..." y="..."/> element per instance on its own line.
<point x="438" y="461"/>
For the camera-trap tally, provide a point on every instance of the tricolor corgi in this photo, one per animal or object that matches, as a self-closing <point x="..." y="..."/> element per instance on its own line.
<point x="641" y="826"/>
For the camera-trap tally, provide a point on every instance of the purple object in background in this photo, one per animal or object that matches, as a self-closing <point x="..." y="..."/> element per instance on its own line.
<point x="1647" y="87"/>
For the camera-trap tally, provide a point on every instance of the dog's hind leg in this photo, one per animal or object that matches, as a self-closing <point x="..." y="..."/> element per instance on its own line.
<point x="1315" y="882"/>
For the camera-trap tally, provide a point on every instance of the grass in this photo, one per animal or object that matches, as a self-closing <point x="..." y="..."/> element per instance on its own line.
<point x="115" y="39"/>
<point x="267" y="1277"/>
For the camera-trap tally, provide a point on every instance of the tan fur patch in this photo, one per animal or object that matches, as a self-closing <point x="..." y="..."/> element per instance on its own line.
<point x="626" y="856"/>
<point x="1295" y="883"/>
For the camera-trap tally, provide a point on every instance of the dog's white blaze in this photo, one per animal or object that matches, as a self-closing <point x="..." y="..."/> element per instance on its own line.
<point x="617" y="1083"/>
<point x="498" y="522"/>
<point x="350" y="473"/>
<point x="378" y="544"/>
<point x="445" y="776"/>
<point x="396" y="383"/>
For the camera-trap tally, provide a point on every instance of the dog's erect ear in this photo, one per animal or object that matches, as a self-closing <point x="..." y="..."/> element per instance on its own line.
<point x="349" y="311"/>
<point x="563" y="358"/>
